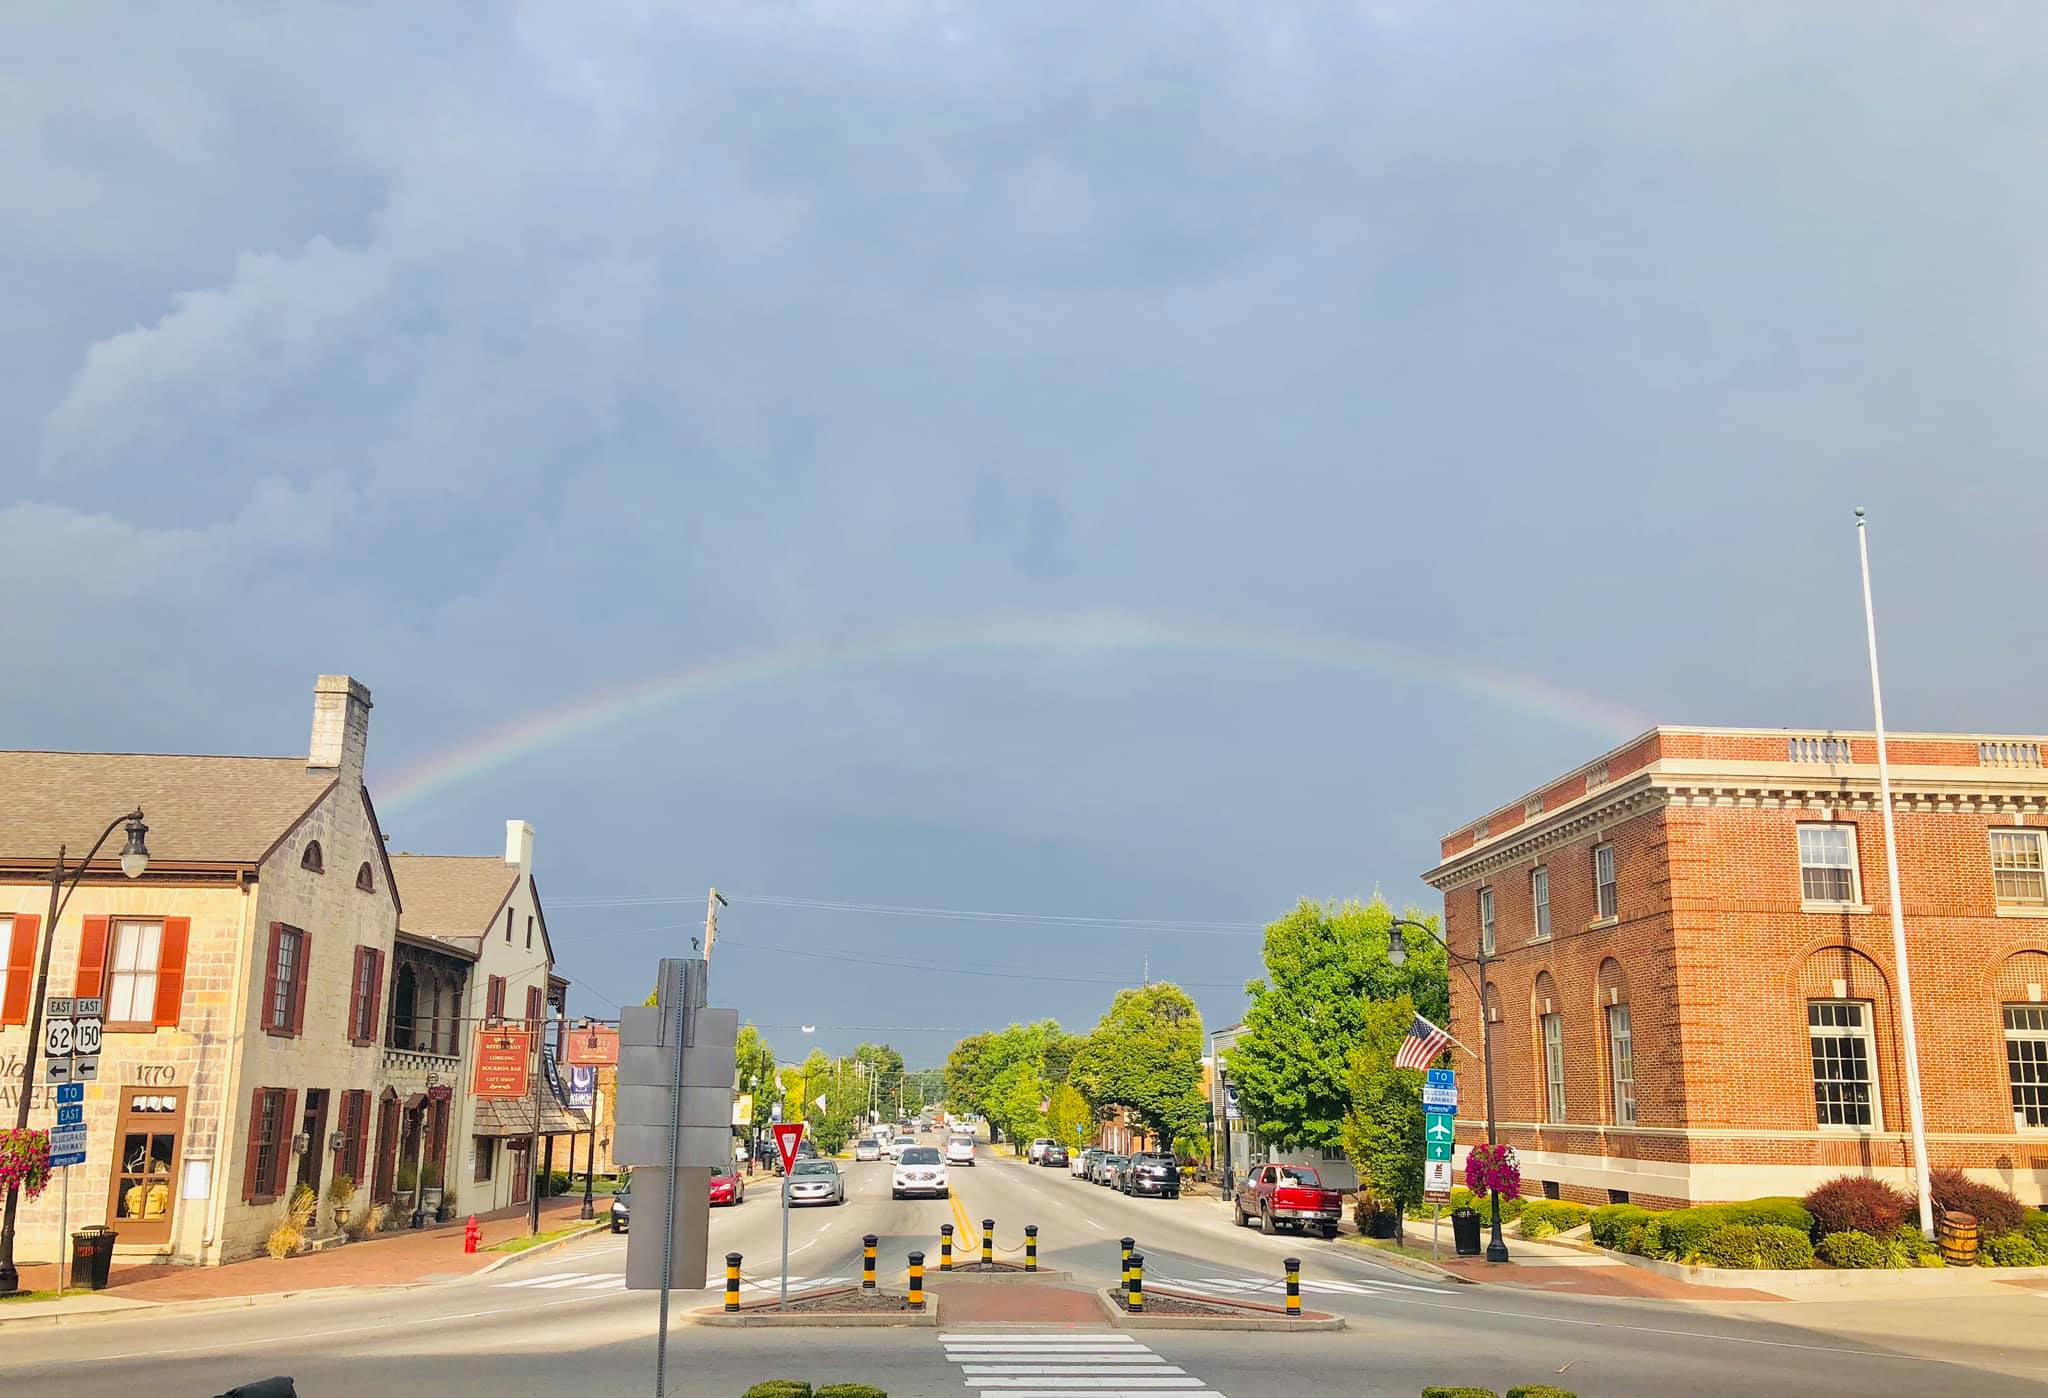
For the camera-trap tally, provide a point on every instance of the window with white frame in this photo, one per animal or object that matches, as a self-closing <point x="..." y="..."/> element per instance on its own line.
<point x="1486" y="922"/>
<point x="1621" y="1059"/>
<point x="1539" y="900"/>
<point x="131" y="971"/>
<point x="2026" y="1063"/>
<point x="1604" y="892"/>
<point x="1844" y="1063"/>
<point x="1827" y="864"/>
<point x="2019" y="874"/>
<point x="1553" y="1064"/>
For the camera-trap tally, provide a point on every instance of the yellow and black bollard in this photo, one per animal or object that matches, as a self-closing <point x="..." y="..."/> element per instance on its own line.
<point x="945" y="1247"/>
<point x="1128" y="1244"/>
<point x="732" y="1281"/>
<point x="1134" y="1284"/>
<point x="867" y="1262"/>
<point x="917" y="1281"/>
<point x="988" y="1242"/>
<point x="1294" y="1288"/>
<point x="1030" y="1247"/>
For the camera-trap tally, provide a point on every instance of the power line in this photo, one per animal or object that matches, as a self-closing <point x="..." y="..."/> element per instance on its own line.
<point x="1142" y="924"/>
<point x="962" y="969"/>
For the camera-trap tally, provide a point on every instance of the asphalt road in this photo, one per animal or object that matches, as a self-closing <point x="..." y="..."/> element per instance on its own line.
<point x="563" y="1323"/>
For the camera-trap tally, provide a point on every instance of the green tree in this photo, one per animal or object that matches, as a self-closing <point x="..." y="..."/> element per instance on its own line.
<point x="1383" y="1128"/>
<point x="880" y="1059"/>
<point x="966" y="1073"/>
<point x="1070" y="1110"/>
<point x="1014" y="1099"/>
<point x="754" y="1060"/>
<point x="1325" y="965"/>
<point x="1146" y="1056"/>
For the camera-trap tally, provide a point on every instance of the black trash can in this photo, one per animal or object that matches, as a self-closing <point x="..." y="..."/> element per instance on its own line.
<point x="92" y="1254"/>
<point x="1465" y="1228"/>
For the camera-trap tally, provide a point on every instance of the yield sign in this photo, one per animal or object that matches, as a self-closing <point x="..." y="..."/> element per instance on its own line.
<point x="788" y="1134"/>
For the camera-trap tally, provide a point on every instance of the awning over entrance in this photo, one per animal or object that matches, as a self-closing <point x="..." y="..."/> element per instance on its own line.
<point x="513" y="1116"/>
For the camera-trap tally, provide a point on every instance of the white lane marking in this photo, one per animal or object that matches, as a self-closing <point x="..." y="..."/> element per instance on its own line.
<point x="1069" y="1369"/>
<point x="1061" y="1385"/>
<point x="1079" y="1337"/>
<point x="545" y="1279"/>
<point x="1027" y="1356"/>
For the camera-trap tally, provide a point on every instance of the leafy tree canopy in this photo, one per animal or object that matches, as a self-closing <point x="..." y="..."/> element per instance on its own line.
<point x="755" y="1061"/>
<point x="1325" y="966"/>
<point x="1146" y="1056"/>
<point x="1383" y="1128"/>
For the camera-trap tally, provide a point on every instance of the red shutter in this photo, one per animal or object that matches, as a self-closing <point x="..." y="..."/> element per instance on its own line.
<point x="249" y="1180"/>
<point x="532" y="1008"/>
<point x="302" y="964"/>
<point x="287" y="1127"/>
<point x="265" y="1009"/>
<point x="376" y="994"/>
<point x="355" y="996"/>
<point x="92" y="959"/>
<point x="494" y="998"/>
<point x="362" y="1141"/>
<point x="21" y="970"/>
<point x="170" y="971"/>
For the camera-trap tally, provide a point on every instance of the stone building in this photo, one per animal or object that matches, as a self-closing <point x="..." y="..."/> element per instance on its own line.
<point x="232" y="974"/>
<point x="1694" y="993"/>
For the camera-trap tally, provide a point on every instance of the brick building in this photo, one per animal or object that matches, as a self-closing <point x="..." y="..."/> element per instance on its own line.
<point x="1693" y="992"/>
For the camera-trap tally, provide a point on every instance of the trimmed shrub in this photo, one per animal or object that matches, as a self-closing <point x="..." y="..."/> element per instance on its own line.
<point x="2036" y="1228"/>
<point x="1683" y="1232"/>
<point x="1853" y="1250"/>
<point x="1539" y="1390"/>
<point x="1543" y="1217"/>
<point x="1858" y="1204"/>
<point x="1997" y="1211"/>
<point x="849" y="1390"/>
<point x="1610" y="1223"/>
<point x="2013" y="1250"/>
<point x="780" y="1388"/>
<point x="1457" y="1390"/>
<point x="1768" y="1246"/>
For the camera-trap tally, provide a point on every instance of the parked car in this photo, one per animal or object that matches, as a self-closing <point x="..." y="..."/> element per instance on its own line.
<point x="622" y="1211"/>
<point x="1084" y="1161"/>
<point x="1037" y="1148"/>
<point x="919" y="1171"/>
<point x="1053" y="1157"/>
<point x="1107" y="1166"/>
<point x="728" y="1188"/>
<point x="815" y="1182"/>
<point x="1151" y="1173"/>
<point x="804" y="1151"/>
<point x="1288" y="1196"/>
<point x="867" y="1148"/>
<point x="960" y="1151"/>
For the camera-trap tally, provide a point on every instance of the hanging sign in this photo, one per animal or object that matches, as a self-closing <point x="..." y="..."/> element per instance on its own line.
<point x="501" y="1063"/>
<point x="593" y="1046"/>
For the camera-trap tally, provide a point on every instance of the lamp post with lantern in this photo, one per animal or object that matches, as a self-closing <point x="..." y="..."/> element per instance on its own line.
<point x="1397" y="953"/>
<point x="134" y="860"/>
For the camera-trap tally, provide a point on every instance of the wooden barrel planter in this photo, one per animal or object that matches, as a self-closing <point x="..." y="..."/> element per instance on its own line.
<point x="1958" y="1238"/>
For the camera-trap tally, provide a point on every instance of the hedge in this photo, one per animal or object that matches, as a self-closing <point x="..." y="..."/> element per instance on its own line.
<point x="1608" y="1221"/>
<point x="849" y="1390"/>
<point x="1855" y="1250"/>
<point x="780" y="1388"/>
<point x="1539" y="1390"/>
<point x="1769" y="1247"/>
<point x="1463" y="1198"/>
<point x="2013" y="1250"/>
<point x="1543" y="1217"/>
<point x="1997" y="1211"/>
<point x="1457" y="1390"/>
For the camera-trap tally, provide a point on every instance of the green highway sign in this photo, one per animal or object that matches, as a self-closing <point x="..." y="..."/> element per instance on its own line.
<point x="1437" y="1128"/>
<point x="1440" y="1150"/>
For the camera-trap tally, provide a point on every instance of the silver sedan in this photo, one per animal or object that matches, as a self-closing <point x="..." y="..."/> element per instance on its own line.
<point x="815" y="1182"/>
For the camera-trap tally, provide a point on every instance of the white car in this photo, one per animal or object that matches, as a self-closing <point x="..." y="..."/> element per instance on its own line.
<point x="1078" y="1163"/>
<point x="899" y="1144"/>
<point x="960" y="1151"/>
<point x="918" y="1170"/>
<point x="1038" y="1148"/>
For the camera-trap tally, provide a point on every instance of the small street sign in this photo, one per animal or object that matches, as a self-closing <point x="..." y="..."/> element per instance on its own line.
<point x="1440" y="1090"/>
<point x="87" y="1006"/>
<point x="57" y="1037"/>
<point x="58" y="1007"/>
<point x="86" y="1068"/>
<point x="1436" y="1180"/>
<point x="85" y="1035"/>
<point x="67" y="1146"/>
<point x="1440" y="1077"/>
<point x="58" y="1070"/>
<point x="788" y="1134"/>
<point x="1440" y="1150"/>
<point x="70" y="1092"/>
<point x="72" y="1114"/>
<point x="1437" y="1128"/>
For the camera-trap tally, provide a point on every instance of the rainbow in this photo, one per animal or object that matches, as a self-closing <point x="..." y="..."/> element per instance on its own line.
<point x="1092" y="632"/>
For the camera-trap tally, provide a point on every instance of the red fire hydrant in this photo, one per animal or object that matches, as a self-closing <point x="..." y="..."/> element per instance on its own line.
<point x="471" y="1235"/>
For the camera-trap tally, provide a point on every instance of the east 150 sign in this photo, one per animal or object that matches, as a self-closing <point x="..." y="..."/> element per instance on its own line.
<point x="501" y="1063"/>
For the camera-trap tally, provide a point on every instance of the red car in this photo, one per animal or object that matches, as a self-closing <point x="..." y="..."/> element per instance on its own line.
<point x="1282" y="1196"/>
<point x="728" y="1188"/>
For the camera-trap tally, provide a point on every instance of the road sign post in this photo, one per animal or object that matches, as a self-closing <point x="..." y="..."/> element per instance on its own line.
<point x="788" y="1136"/>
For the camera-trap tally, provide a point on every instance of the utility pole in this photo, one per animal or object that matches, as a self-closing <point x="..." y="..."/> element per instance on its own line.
<point x="711" y="906"/>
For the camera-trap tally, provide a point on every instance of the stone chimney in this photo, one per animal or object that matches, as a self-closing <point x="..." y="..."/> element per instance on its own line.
<point x="341" y="727"/>
<point x="519" y="845"/>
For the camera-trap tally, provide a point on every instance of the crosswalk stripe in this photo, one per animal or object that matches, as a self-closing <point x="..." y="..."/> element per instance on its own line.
<point x="1094" y="1369"/>
<point x="1109" y="1381"/>
<point x="545" y="1279"/>
<point x="1068" y="1365"/>
<point x="990" y="1337"/>
<point x="1092" y="1356"/>
<point x="573" y="1279"/>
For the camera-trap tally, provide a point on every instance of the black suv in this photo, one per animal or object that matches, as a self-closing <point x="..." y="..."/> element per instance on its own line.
<point x="1151" y="1174"/>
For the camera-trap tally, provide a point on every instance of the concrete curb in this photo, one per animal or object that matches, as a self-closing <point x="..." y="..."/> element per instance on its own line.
<point x="776" y="1319"/>
<point x="932" y="1278"/>
<point x="1833" y="1283"/>
<point x="541" y="1249"/>
<point x="1413" y="1266"/>
<point x="1123" y="1320"/>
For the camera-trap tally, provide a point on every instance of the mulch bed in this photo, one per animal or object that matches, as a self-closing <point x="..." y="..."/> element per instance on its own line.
<point x="1156" y="1303"/>
<point x="970" y="1268"/>
<point x="847" y="1303"/>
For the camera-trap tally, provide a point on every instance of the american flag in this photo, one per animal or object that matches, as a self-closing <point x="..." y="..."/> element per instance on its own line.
<point x="1424" y="1042"/>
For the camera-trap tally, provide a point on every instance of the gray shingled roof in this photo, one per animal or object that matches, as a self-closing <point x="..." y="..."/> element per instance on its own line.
<point x="200" y="810"/>
<point x="453" y="897"/>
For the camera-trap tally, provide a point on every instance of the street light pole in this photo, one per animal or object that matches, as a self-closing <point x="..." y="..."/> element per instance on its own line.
<point x="134" y="859"/>
<point x="1397" y="952"/>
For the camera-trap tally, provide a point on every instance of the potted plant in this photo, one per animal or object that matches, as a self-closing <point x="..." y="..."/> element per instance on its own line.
<point x="408" y="1184"/>
<point x="430" y="1188"/>
<point x="341" y="1190"/>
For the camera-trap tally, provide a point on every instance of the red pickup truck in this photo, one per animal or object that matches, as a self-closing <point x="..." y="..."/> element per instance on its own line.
<point x="1280" y="1196"/>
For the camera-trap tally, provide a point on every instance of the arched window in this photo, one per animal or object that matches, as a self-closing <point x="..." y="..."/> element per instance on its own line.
<point x="365" y="880"/>
<point x="311" y="858"/>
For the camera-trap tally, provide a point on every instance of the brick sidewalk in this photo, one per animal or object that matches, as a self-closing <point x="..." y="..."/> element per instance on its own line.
<point x="430" y="1254"/>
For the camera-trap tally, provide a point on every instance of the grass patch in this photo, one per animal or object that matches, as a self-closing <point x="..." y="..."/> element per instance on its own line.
<point x="30" y="1296"/>
<point x="534" y="1240"/>
<point x="1420" y="1254"/>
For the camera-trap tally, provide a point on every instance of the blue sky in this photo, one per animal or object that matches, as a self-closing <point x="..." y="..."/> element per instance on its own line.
<point x="1345" y="416"/>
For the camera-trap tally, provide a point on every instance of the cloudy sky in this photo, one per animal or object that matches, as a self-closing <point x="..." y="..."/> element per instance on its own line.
<point x="1142" y="462"/>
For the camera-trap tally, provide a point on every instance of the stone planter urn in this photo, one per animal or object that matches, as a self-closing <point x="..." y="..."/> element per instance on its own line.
<point x="430" y="1202"/>
<point x="341" y="1213"/>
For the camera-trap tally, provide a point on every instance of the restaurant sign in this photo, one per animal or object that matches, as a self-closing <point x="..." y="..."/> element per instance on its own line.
<point x="501" y="1063"/>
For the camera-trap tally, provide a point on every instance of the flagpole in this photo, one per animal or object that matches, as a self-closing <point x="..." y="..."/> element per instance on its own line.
<point x="1914" y="1110"/>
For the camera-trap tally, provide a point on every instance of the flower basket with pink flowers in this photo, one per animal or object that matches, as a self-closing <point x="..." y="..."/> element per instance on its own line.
<point x="24" y="1161"/>
<point x="1493" y="1170"/>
